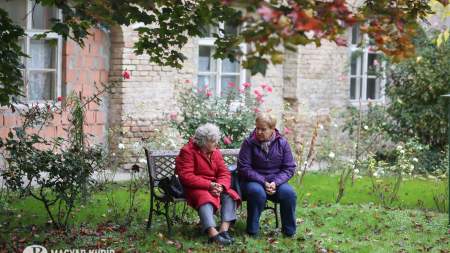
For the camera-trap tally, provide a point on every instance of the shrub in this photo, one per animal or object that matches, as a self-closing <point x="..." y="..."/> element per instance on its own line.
<point x="54" y="171"/>
<point x="233" y="112"/>
<point x="415" y="90"/>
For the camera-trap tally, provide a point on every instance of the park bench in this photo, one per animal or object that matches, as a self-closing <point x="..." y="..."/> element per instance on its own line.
<point x="161" y="164"/>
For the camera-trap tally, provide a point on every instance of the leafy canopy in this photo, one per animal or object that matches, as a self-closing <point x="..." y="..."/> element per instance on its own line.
<point x="264" y="25"/>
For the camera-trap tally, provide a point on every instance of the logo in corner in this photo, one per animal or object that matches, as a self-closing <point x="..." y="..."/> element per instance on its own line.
<point x="35" y="249"/>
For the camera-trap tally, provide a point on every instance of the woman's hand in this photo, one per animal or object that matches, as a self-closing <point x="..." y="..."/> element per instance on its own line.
<point x="215" y="189"/>
<point x="271" y="188"/>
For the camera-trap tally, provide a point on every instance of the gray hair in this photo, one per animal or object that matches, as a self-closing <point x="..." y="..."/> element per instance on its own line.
<point x="206" y="132"/>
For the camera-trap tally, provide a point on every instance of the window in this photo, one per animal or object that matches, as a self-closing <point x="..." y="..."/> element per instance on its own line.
<point x="42" y="71"/>
<point x="217" y="73"/>
<point x="365" y="83"/>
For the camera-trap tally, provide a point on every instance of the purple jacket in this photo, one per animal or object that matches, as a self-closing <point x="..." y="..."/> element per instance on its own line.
<point x="277" y="166"/>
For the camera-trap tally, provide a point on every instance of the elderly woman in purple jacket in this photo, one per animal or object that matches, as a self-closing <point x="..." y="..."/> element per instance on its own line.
<point x="265" y="165"/>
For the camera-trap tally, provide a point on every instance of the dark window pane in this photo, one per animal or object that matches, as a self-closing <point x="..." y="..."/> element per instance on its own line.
<point x="230" y="29"/>
<point x="356" y="35"/>
<point x="355" y="63"/>
<point x="352" y="88"/>
<point x="205" y="61"/>
<point x="373" y="89"/>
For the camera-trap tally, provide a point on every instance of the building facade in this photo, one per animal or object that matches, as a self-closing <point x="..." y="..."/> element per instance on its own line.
<point x="315" y="81"/>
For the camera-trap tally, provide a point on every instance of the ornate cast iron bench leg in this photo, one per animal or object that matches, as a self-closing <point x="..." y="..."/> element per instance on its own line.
<point x="150" y="213"/>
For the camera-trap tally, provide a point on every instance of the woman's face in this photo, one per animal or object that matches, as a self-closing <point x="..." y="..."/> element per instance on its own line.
<point x="210" y="146"/>
<point x="263" y="131"/>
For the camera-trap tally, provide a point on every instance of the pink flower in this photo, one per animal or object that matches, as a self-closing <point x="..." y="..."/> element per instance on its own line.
<point x="268" y="110"/>
<point x="264" y="85"/>
<point x="173" y="115"/>
<point x="287" y="131"/>
<point x="268" y="88"/>
<point x="260" y="99"/>
<point x="227" y="140"/>
<point x="246" y="85"/>
<point x="126" y="74"/>
<point x="257" y="93"/>
<point x="256" y="110"/>
<point x="241" y="90"/>
<point x="266" y="13"/>
<point x="208" y="93"/>
<point x="187" y="81"/>
<point x="376" y="62"/>
<point x="231" y="84"/>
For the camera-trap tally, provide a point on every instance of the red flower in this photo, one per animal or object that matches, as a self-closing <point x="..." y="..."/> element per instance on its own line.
<point x="60" y="98"/>
<point x="208" y="93"/>
<point x="246" y="85"/>
<point x="231" y="84"/>
<point x="126" y="74"/>
<point x="227" y="140"/>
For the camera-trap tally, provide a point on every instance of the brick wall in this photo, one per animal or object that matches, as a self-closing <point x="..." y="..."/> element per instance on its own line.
<point x="82" y="69"/>
<point x="311" y="79"/>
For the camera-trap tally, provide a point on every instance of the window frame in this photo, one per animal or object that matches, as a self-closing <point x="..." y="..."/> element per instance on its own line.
<point x="218" y="73"/>
<point x="362" y="70"/>
<point x="30" y="33"/>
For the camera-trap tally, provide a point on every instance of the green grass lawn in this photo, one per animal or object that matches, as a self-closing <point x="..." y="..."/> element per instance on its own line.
<point x="357" y="224"/>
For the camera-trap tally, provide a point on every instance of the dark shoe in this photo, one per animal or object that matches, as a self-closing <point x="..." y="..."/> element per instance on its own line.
<point x="289" y="235"/>
<point x="227" y="236"/>
<point x="219" y="240"/>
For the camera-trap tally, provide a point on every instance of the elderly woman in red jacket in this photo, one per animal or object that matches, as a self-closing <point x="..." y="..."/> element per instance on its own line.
<point x="206" y="181"/>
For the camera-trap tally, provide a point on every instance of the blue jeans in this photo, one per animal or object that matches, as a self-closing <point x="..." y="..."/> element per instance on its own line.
<point x="256" y="197"/>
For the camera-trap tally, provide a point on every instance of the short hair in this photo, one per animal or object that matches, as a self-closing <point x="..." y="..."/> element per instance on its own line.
<point x="267" y="118"/>
<point x="206" y="132"/>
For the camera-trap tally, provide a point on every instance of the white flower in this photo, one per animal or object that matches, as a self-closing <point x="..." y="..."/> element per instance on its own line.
<point x="376" y="174"/>
<point x="320" y="126"/>
<point x="356" y="171"/>
<point x="113" y="154"/>
<point x="121" y="146"/>
<point x="331" y="155"/>
<point x="399" y="147"/>
<point x="335" y="125"/>
<point x="402" y="151"/>
<point x="142" y="160"/>
<point x="366" y="127"/>
<point x="415" y="160"/>
<point x="411" y="167"/>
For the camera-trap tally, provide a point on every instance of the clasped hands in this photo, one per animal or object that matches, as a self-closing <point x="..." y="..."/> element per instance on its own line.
<point x="270" y="188"/>
<point x="215" y="189"/>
